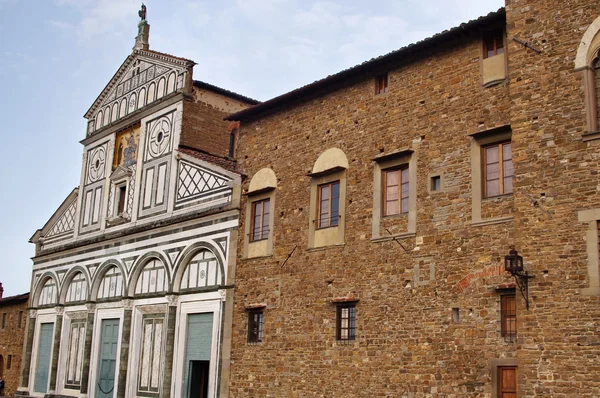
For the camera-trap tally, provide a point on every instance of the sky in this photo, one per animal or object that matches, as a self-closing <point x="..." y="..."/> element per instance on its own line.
<point x="56" y="56"/>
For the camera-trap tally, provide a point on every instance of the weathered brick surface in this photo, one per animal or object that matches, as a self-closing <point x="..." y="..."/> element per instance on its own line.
<point x="203" y="126"/>
<point x="11" y="339"/>
<point x="407" y="344"/>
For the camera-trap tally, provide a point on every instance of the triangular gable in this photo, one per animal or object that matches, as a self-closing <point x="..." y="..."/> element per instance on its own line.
<point x="62" y="221"/>
<point x="144" y="77"/>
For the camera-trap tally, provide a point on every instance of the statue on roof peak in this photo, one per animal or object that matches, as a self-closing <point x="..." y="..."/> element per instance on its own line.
<point x="142" y="12"/>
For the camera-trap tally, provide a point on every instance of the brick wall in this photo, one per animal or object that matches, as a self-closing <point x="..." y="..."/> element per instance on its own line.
<point x="203" y="126"/>
<point x="407" y="343"/>
<point x="11" y="340"/>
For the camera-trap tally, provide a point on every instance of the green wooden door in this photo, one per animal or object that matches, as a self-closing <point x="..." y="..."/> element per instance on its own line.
<point x="44" y="353"/>
<point x="107" y="362"/>
<point x="198" y="345"/>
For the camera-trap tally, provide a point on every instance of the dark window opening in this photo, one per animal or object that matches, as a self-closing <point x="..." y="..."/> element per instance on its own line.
<point x="493" y="44"/>
<point x="346" y="322"/>
<point x="9" y="362"/>
<point x="122" y="191"/>
<point x="255" y="326"/>
<point x="436" y="183"/>
<point x="231" y="144"/>
<point x="328" y="209"/>
<point x="508" y="315"/>
<point x="198" y="384"/>
<point x="3" y="320"/>
<point x="381" y="84"/>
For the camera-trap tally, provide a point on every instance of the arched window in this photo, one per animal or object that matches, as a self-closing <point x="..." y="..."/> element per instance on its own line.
<point x="258" y="239"/>
<point x="48" y="293"/>
<point x="152" y="279"/>
<point x="77" y="290"/>
<point x="328" y="199"/>
<point x="202" y="271"/>
<point x="587" y="61"/>
<point x="112" y="284"/>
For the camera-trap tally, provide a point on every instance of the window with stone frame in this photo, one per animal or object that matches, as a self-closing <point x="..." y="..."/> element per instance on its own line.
<point x="259" y="230"/>
<point x="255" y="326"/>
<point x="150" y="359"/>
<point x="328" y="210"/>
<point x="508" y="317"/>
<point x="345" y="325"/>
<point x="395" y="190"/>
<point x="493" y="44"/>
<point x="497" y="169"/>
<point x="75" y="348"/>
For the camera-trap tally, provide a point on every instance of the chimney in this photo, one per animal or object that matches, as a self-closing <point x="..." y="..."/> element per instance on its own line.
<point x="141" y="40"/>
<point x="1" y="290"/>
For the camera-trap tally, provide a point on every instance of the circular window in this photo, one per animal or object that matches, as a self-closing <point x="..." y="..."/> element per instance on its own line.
<point x="160" y="137"/>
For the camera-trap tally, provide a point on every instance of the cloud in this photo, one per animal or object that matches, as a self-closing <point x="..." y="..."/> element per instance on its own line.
<point x="100" y="17"/>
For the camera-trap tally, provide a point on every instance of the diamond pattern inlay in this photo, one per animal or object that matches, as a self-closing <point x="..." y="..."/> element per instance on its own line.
<point x="195" y="180"/>
<point x="65" y="223"/>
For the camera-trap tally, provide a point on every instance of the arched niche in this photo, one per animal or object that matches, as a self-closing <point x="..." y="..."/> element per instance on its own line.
<point x="115" y="112"/>
<point x="106" y="116"/>
<point x="263" y="179"/>
<point x="75" y="287"/>
<point x="160" y="91"/>
<point x="587" y="61"/>
<point x="331" y="159"/>
<point x="200" y="266"/>
<point x="47" y="291"/>
<point x="151" y="93"/>
<point x="123" y="108"/>
<point x="150" y="276"/>
<point x="109" y="281"/>
<point x="141" y="98"/>
<point x="171" y="83"/>
<point x="99" y="120"/>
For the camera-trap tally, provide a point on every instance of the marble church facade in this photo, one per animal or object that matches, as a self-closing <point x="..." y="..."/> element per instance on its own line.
<point x="131" y="285"/>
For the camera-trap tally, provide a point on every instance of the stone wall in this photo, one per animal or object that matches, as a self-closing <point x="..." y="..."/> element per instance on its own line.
<point x="408" y="344"/>
<point x="560" y="346"/>
<point x="12" y="337"/>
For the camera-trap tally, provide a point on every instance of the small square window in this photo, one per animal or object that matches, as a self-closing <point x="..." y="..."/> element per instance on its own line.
<point x="328" y="210"/>
<point x="436" y="183"/>
<point x="497" y="169"/>
<point x="259" y="230"/>
<point x="381" y="84"/>
<point x="493" y="44"/>
<point x="255" y="326"/>
<point x="346" y="322"/>
<point x="508" y="315"/>
<point x="395" y="191"/>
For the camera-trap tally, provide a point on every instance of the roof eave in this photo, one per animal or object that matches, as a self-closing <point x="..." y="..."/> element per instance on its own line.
<point x="374" y="66"/>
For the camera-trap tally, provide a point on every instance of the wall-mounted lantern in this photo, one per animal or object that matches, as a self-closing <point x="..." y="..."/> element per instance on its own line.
<point x="513" y="264"/>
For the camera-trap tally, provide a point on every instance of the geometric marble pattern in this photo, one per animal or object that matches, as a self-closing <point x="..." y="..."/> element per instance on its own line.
<point x="194" y="181"/>
<point x="65" y="223"/>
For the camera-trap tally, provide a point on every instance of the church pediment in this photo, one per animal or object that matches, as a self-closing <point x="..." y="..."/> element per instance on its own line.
<point x="144" y="77"/>
<point x="62" y="222"/>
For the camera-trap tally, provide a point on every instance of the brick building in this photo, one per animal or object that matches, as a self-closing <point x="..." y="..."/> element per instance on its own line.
<point x="131" y="275"/>
<point x="13" y="320"/>
<point x="381" y="203"/>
